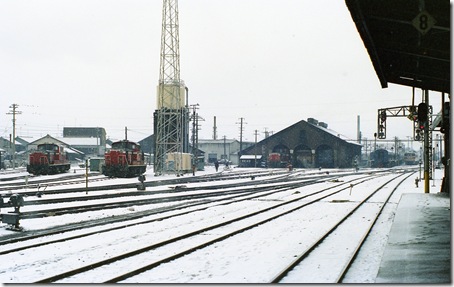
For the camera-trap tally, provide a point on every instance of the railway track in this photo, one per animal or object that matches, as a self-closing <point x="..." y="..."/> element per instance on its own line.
<point x="175" y="210"/>
<point x="134" y="197"/>
<point x="189" y="236"/>
<point x="303" y="265"/>
<point x="229" y="191"/>
<point x="50" y="185"/>
<point x="129" y="276"/>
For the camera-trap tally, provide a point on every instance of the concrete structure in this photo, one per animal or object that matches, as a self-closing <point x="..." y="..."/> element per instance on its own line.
<point x="307" y="145"/>
<point x="418" y="250"/>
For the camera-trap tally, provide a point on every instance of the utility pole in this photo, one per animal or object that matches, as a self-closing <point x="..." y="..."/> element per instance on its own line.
<point x="241" y="135"/>
<point x="194" y="128"/>
<point x="255" y="148"/>
<point x="267" y="133"/>
<point x="225" y="155"/>
<point x="427" y="146"/>
<point x="195" y="132"/>
<point x="14" y="112"/>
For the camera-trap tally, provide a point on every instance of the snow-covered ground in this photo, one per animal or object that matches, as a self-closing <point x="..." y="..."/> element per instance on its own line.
<point x="251" y="257"/>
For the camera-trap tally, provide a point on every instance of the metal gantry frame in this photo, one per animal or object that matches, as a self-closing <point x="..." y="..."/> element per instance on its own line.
<point x="425" y="136"/>
<point x="172" y="110"/>
<point x="409" y="112"/>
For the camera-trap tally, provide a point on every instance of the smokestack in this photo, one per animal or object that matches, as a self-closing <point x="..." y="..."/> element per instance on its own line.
<point x="215" y="134"/>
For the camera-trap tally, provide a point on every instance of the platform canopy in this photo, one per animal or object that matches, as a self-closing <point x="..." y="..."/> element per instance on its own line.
<point x="408" y="41"/>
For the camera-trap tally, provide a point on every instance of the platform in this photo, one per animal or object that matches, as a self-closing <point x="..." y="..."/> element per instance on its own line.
<point x="419" y="243"/>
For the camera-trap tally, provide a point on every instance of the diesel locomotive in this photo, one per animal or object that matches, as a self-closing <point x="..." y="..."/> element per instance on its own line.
<point x="124" y="159"/>
<point x="49" y="158"/>
<point x="410" y="158"/>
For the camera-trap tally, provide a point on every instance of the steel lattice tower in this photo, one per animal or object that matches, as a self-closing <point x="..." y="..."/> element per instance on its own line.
<point x="171" y="115"/>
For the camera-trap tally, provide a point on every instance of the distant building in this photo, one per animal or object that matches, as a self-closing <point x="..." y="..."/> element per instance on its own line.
<point x="2" y="158"/>
<point x="227" y="149"/>
<point x="307" y="145"/>
<point x="91" y="141"/>
<point x="90" y="147"/>
<point x="147" y="144"/>
<point x="84" y="132"/>
<point x="7" y="152"/>
<point x="6" y="145"/>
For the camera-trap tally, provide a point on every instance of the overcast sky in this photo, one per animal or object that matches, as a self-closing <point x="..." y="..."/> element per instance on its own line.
<point x="95" y="63"/>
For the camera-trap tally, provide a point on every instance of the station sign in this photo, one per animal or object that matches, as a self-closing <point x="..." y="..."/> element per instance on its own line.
<point x="423" y="22"/>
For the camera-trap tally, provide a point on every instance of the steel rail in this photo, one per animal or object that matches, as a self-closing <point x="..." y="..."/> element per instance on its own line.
<point x="277" y="278"/>
<point x="193" y="233"/>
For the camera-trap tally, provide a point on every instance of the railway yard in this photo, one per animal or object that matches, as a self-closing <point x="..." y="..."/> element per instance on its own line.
<point x="232" y="226"/>
<point x="81" y="202"/>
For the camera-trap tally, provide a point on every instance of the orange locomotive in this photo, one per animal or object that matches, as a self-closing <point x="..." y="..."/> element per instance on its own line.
<point x="124" y="159"/>
<point x="49" y="158"/>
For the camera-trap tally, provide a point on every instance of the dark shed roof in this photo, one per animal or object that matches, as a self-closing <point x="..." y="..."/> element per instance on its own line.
<point x="408" y="41"/>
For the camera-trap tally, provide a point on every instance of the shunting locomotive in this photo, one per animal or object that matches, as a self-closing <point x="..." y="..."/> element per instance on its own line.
<point x="49" y="158"/>
<point x="124" y="159"/>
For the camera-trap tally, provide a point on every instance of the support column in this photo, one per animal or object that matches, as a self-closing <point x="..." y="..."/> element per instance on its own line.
<point x="427" y="146"/>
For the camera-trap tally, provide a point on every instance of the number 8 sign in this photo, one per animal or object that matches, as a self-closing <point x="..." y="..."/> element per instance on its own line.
<point x="423" y="22"/>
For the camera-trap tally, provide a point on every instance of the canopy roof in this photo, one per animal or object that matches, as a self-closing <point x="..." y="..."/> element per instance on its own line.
<point x="408" y="41"/>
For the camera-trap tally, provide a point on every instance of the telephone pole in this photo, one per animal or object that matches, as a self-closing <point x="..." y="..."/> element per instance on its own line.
<point x="195" y="132"/>
<point x="255" y="148"/>
<point x="225" y="154"/>
<point x="241" y="134"/>
<point x="14" y="112"/>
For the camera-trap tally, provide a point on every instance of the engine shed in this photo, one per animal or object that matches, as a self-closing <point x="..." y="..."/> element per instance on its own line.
<point x="306" y="144"/>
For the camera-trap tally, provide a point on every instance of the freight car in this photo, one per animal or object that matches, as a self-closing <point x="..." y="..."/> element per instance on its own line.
<point x="124" y="159"/>
<point x="49" y="158"/>
<point x="379" y="158"/>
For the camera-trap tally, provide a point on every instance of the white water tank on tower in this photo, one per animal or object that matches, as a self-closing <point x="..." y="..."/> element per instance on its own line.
<point x="171" y="96"/>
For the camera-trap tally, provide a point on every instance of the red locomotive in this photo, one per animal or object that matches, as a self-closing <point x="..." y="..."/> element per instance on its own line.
<point x="124" y="159"/>
<point x="49" y="158"/>
<point x="274" y="160"/>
